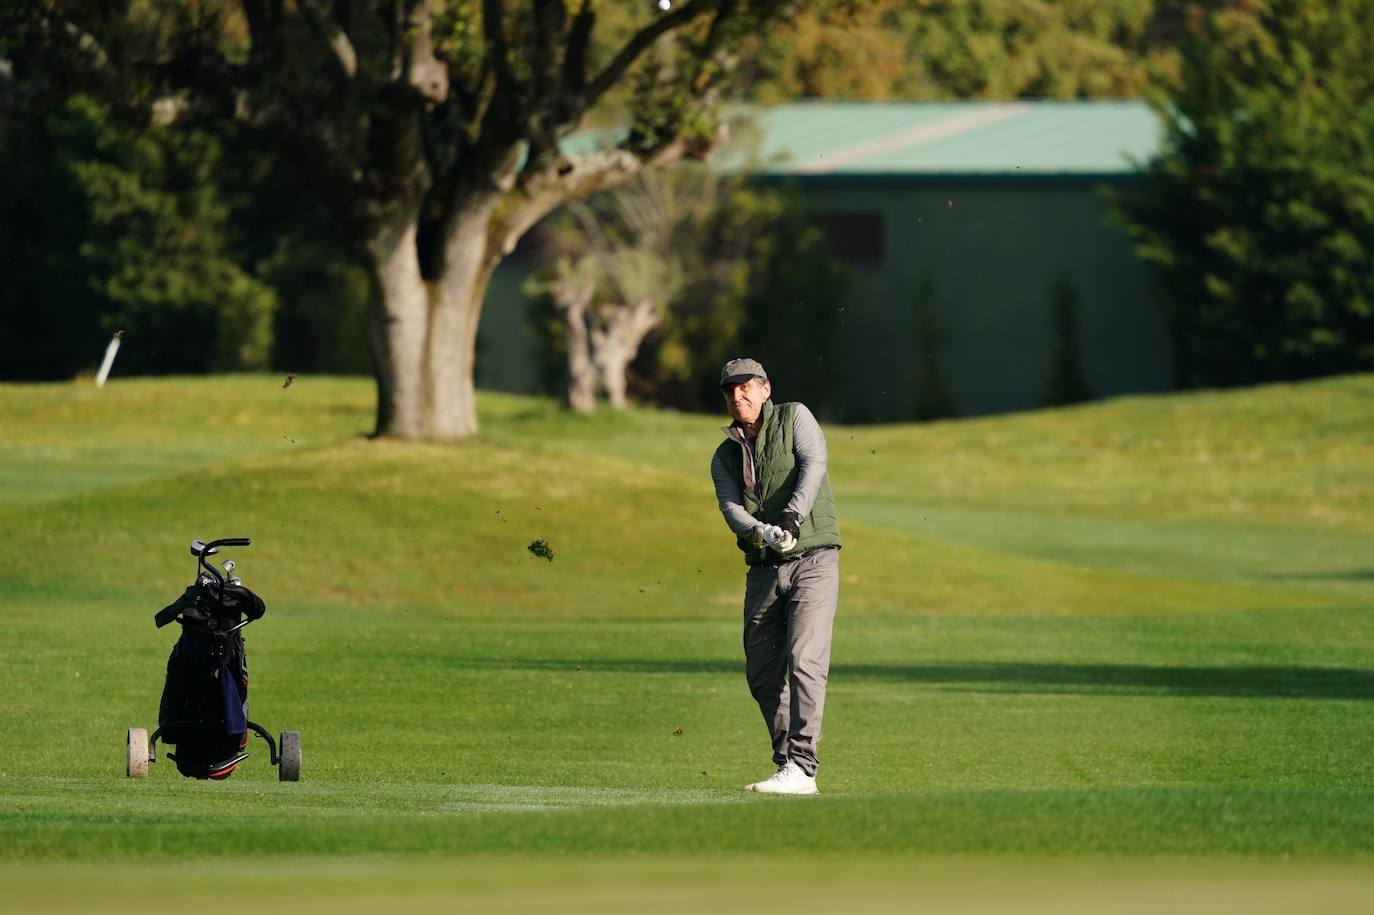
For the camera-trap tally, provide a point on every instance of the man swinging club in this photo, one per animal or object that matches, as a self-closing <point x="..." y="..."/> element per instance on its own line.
<point x="773" y="490"/>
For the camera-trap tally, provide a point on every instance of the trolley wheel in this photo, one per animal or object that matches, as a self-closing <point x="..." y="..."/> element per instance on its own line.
<point x="136" y="753"/>
<point x="289" y="764"/>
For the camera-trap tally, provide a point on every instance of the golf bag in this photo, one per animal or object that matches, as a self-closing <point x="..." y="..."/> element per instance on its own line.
<point x="204" y="708"/>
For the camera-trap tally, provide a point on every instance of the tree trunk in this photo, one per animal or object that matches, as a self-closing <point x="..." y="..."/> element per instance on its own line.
<point x="572" y="286"/>
<point x="614" y="363"/>
<point x="615" y="342"/>
<point x="399" y="325"/>
<point x="451" y="356"/>
<point x="581" y="371"/>
<point x="424" y="331"/>
<point x="468" y="260"/>
<point x="425" y="327"/>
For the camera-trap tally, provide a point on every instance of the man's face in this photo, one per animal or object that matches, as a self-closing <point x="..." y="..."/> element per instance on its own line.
<point x="744" y="401"/>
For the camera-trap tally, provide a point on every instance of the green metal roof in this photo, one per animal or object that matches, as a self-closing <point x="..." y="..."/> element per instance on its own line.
<point x="1034" y="138"/>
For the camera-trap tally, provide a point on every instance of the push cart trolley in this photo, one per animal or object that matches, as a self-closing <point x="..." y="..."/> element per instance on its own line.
<point x="204" y="708"/>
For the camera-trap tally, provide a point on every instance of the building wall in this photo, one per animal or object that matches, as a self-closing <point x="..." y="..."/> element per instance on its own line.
<point x="991" y="252"/>
<point x="507" y="351"/>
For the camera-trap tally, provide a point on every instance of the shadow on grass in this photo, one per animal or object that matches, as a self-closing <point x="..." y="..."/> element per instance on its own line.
<point x="1029" y="677"/>
<point x="1363" y="575"/>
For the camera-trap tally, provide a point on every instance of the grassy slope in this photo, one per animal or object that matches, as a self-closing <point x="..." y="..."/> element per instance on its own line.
<point x="1130" y="630"/>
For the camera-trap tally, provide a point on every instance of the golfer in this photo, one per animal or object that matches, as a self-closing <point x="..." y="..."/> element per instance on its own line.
<point x="774" y="493"/>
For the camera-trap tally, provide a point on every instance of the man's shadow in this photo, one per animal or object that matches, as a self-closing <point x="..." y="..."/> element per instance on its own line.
<point x="1246" y="682"/>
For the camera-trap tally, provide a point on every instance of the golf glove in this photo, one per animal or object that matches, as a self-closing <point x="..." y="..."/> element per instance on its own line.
<point x="779" y="538"/>
<point x="791" y="523"/>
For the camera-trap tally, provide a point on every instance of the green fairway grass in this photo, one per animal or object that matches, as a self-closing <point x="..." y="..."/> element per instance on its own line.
<point x="1112" y="657"/>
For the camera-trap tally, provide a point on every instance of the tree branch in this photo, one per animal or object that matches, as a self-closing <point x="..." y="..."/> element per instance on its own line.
<point x="571" y="178"/>
<point x="601" y="246"/>
<point x="340" y="45"/>
<point x="424" y="73"/>
<point x="499" y="51"/>
<point x="646" y="36"/>
<point x="264" y="31"/>
<point x="546" y="106"/>
<point x="44" y="58"/>
<point x="575" y="58"/>
<point x="550" y="17"/>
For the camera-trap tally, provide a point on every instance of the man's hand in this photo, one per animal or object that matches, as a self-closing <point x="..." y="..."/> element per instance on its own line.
<point x="778" y="538"/>
<point x="782" y="537"/>
<point x="791" y="523"/>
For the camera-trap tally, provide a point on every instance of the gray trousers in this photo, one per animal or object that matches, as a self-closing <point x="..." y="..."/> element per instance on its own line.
<point x="789" y="611"/>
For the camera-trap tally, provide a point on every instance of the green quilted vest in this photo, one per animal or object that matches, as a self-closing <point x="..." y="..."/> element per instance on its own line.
<point x="777" y="473"/>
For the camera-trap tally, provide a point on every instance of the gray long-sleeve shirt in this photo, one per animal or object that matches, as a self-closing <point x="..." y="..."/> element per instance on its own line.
<point x="808" y="448"/>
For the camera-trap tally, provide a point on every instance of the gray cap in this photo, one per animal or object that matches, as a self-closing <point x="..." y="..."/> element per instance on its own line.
<point x="742" y="369"/>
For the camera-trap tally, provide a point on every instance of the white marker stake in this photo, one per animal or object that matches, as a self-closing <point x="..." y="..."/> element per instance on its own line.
<point x="109" y="361"/>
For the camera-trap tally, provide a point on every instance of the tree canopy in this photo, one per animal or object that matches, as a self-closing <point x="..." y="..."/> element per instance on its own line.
<point x="1260" y="210"/>
<point x="434" y="131"/>
<point x="944" y="49"/>
<point x="108" y="229"/>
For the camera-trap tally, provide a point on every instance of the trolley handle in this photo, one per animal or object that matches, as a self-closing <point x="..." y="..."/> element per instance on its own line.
<point x="227" y="541"/>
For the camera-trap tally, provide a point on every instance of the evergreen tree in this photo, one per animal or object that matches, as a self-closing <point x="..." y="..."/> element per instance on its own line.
<point x="1068" y="383"/>
<point x="1260" y="210"/>
<point x="118" y="230"/>
<point x="933" y="400"/>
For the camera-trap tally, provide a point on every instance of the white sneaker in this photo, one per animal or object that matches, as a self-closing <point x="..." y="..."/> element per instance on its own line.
<point x="789" y="779"/>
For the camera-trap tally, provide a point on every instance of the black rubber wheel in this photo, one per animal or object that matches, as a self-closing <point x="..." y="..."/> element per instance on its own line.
<point x="136" y="753"/>
<point x="289" y="767"/>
